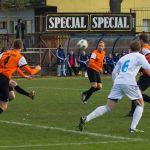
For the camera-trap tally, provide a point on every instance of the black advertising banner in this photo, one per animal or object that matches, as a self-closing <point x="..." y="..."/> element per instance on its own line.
<point x="67" y="22"/>
<point x="122" y="22"/>
<point x="112" y="22"/>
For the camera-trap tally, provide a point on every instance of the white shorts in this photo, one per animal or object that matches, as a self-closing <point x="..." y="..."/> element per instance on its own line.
<point x="119" y="90"/>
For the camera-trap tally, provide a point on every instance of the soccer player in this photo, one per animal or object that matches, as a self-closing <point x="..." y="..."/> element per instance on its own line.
<point x="144" y="80"/>
<point x="124" y="75"/>
<point x="9" y="62"/>
<point x="13" y="84"/>
<point x="95" y="66"/>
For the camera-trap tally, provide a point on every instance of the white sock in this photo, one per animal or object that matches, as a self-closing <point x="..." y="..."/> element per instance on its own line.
<point x="137" y="116"/>
<point x="99" y="111"/>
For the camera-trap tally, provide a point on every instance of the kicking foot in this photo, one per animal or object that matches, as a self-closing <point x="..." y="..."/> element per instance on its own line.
<point x="84" y="98"/>
<point x="32" y="95"/>
<point x="135" y="131"/>
<point x="82" y="123"/>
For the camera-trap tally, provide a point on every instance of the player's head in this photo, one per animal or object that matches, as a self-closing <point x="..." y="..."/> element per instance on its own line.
<point x="18" y="44"/>
<point x="19" y="21"/>
<point x="60" y="47"/>
<point x="135" y="46"/>
<point x="144" y="38"/>
<point x="101" y="45"/>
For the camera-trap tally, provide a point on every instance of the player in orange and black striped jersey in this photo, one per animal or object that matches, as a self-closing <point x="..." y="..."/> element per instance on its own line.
<point x="13" y="84"/>
<point x="95" y="66"/>
<point x="144" y="80"/>
<point x="9" y="62"/>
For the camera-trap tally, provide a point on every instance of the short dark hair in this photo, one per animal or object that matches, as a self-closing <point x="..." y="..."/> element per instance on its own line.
<point x="101" y="42"/>
<point x="19" y="20"/>
<point x="144" y="37"/>
<point x="18" y="44"/>
<point x="135" y="46"/>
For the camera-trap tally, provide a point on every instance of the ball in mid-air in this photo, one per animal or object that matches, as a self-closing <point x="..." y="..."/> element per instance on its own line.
<point x="82" y="44"/>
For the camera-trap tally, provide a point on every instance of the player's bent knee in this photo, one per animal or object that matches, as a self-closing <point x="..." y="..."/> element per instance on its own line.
<point x="12" y="96"/>
<point x="99" y="86"/>
<point x="111" y="103"/>
<point x="139" y="102"/>
<point x="13" y="83"/>
<point x="94" y="86"/>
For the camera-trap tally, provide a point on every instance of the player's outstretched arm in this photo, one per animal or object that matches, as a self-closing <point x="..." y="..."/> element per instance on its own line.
<point x="24" y="65"/>
<point x="22" y="74"/>
<point x="31" y="71"/>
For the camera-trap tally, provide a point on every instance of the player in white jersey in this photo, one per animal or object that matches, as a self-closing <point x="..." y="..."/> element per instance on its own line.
<point x="144" y="80"/>
<point x="124" y="75"/>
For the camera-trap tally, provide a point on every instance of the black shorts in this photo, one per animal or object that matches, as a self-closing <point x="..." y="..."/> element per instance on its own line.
<point x="144" y="82"/>
<point x="4" y="88"/>
<point x="93" y="75"/>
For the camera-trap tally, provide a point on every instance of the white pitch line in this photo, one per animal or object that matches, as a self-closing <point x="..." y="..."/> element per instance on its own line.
<point x="72" y="131"/>
<point x="59" y="144"/>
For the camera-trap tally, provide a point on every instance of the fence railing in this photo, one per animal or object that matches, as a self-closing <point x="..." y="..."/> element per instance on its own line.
<point x="40" y="56"/>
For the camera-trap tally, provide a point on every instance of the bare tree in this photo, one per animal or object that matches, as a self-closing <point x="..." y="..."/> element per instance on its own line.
<point x="115" y="6"/>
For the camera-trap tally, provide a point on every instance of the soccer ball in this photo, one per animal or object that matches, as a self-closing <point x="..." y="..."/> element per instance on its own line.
<point x="82" y="44"/>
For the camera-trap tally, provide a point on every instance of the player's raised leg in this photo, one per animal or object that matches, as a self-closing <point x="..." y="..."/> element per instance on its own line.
<point x="20" y="90"/>
<point x="99" y="111"/>
<point x="95" y="82"/>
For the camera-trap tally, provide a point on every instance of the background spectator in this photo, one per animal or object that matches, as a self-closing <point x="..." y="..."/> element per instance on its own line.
<point x="83" y="60"/>
<point x="60" y="61"/>
<point x="20" y="28"/>
<point x="123" y="53"/>
<point x="72" y="63"/>
<point x="116" y="57"/>
<point x="109" y="64"/>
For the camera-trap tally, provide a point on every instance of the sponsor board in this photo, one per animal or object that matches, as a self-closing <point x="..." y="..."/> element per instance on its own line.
<point x="124" y="22"/>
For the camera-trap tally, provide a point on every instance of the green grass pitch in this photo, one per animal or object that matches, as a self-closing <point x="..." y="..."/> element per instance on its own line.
<point x="50" y="121"/>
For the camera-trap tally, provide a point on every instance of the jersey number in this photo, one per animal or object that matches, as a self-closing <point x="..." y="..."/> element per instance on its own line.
<point x="125" y="66"/>
<point x="6" y="61"/>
